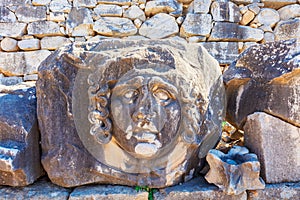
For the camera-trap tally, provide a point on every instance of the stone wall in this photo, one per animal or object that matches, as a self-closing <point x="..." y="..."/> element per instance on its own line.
<point x="31" y="29"/>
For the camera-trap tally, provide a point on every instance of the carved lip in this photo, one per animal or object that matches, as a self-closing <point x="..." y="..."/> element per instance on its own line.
<point x="145" y="136"/>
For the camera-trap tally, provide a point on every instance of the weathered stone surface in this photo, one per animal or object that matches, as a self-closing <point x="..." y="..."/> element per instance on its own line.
<point x="201" y="6"/>
<point x="30" y="77"/>
<point x="276" y="4"/>
<point x="103" y="192"/>
<point x="6" y="15"/>
<point x="225" y="31"/>
<point x="60" y="6"/>
<point x="267" y="17"/>
<point x="234" y="172"/>
<point x="163" y="6"/>
<point x="116" y="2"/>
<point x="196" y="24"/>
<point x="57" y="16"/>
<point x="196" y="189"/>
<point x="289" y="191"/>
<point x="13" y="80"/>
<point x="15" y="30"/>
<point x="135" y="12"/>
<point x="277" y="145"/>
<point x="106" y="10"/>
<point x="11" y="2"/>
<point x="225" y="11"/>
<point x="31" y="13"/>
<point x="114" y="26"/>
<point x="30" y="44"/>
<point x="19" y="63"/>
<point x="223" y="52"/>
<point x="265" y="78"/>
<point x="43" y="28"/>
<point x="254" y="8"/>
<point x="159" y="26"/>
<point x="268" y="37"/>
<point x="72" y="147"/>
<point x="239" y="2"/>
<point x="42" y="189"/>
<point x="85" y="3"/>
<point x="247" y="17"/>
<point x="40" y="2"/>
<point x="19" y="137"/>
<point x="289" y="12"/>
<point x="52" y="43"/>
<point x="289" y="29"/>
<point x="79" y="22"/>
<point x="9" y="44"/>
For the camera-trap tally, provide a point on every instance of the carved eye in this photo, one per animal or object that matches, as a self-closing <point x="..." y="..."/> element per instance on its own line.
<point x="130" y="94"/>
<point x="162" y="94"/>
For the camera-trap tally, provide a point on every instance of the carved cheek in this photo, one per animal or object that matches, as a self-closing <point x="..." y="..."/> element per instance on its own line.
<point x="121" y="114"/>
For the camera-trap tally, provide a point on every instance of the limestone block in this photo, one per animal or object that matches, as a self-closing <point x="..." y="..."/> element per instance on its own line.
<point x="138" y="23"/>
<point x="135" y="12"/>
<point x="42" y="189"/>
<point x="40" y="2"/>
<point x="20" y="63"/>
<point x="195" y="39"/>
<point x="265" y="78"/>
<point x="276" y="4"/>
<point x="6" y="15"/>
<point x="201" y="6"/>
<point x="254" y="8"/>
<point x="196" y="188"/>
<point x="15" y="30"/>
<point x="9" y="44"/>
<point x="276" y="143"/>
<point x="31" y="13"/>
<point x="57" y="16"/>
<point x="79" y="22"/>
<point x="107" y="10"/>
<point x="267" y="17"/>
<point x="116" y="2"/>
<point x="226" y="31"/>
<point x="268" y="37"/>
<point x="247" y="17"/>
<point x="83" y="30"/>
<point x="115" y="26"/>
<point x="196" y="24"/>
<point x="245" y="2"/>
<point x="223" y="52"/>
<point x="43" y="28"/>
<point x="29" y="44"/>
<point x="19" y="137"/>
<point x="289" y="12"/>
<point x="85" y="3"/>
<point x="103" y="192"/>
<point x="52" y="43"/>
<point x="289" y="29"/>
<point x="60" y="6"/>
<point x="163" y="6"/>
<point x="225" y="11"/>
<point x="30" y="77"/>
<point x="11" y="80"/>
<point x="159" y="26"/>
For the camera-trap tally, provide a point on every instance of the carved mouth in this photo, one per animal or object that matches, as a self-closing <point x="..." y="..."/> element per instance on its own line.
<point x="149" y="137"/>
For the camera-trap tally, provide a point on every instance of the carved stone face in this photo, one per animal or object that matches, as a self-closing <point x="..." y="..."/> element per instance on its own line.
<point x="146" y="114"/>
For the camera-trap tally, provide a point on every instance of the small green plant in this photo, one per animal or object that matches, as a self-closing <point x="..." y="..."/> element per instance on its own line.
<point x="150" y="191"/>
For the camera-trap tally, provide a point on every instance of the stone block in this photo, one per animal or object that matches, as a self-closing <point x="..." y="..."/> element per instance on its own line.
<point x="12" y="80"/>
<point x="116" y="2"/>
<point x="19" y="136"/>
<point x="43" y="28"/>
<point x="103" y="192"/>
<point x="80" y="19"/>
<point x="52" y="43"/>
<point x="196" y="24"/>
<point x="276" y="143"/>
<point x="29" y="44"/>
<point x="231" y="32"/>
<point x="159" y="26"/>
<point x="40" y="2"/>
<point x="267" y="17"/>
<point x="276" y="4"/>
<point x="135" y="12"/>
<point x="288" y="29"/>
<point x="223" y="52"/>
<point x="60" y="6"/>
<point x="20" y="63"/>
<point x="85" y="3"/>
<point x="9" y="44"/>
<point x="245" y="2"/>
<point x="6" y="15"/>
<point x="225" y="12"/>
<point x="57" y="16"/>
<point x="247" y="17"/>
<point x="11" y="2"/>
<point x="31" y="13"/>
<point x="15" y="30"/>
<point x="289" y="12"/>
<point x="163" y="6"/>
<point x="42" y="189"/>
<point x="201" y="6"/>
<point x="109" y="10"/>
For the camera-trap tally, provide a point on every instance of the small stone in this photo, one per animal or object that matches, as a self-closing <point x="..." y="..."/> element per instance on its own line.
<point x="254" y="8"/>
<point x="83" y="30"/>
<point x="159" y="26"/>
<point x="135" y="12"/>
<point x="57" y="16"/>
<point x="266" y="28"/>
<point x="243" y="9"/>
<point x="85" y="3"/>
<point x="225" y="31"/>
<point x="79" y="22"/>
<point x="268" y="17"/>
<point x="9" y="44"/>
<point x="225" y="11"/>
<point x="247" y="17"/>
<point x="31" y="77"/>
<point x="116" y="2"/>
<point x="289" y="12"/>
<point x="179" y="20"/>
<point x="163" y="6"/>
<point x="31" y="13"/>
<point x="289" y="29"/>
<point x="28" y="45"/>
<point x="195" y="39"/>
<point x="15" y="30"/>
<point x="6" y="15"/>
<point x="276" y="4"/>
<point x="52" y="43"/>
<point x="268" y="37"/>
<point x="106" y="10"/>
<point x="43" y="28"/>
<point x="138" y="23"/>
<point x="7" y="81"/>
<point x="196" y="24"/>
<point x="114" y="26"/>
<point x="60" y="6"/>
<point x="201" y="6"/>
<point x="253" y="25"/>
<point x="40" y="2"/>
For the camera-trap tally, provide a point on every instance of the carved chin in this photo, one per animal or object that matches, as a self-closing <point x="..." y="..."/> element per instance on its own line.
<point x="146" y="149"/>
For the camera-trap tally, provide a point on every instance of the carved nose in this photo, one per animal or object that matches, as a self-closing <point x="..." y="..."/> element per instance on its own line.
<point x="144" y="110"/>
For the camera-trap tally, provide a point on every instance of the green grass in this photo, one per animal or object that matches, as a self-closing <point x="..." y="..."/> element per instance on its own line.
<point x="150" y="191"/>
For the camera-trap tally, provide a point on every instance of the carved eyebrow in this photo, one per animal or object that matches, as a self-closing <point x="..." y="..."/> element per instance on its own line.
<point x="159" y="81"/>
<point x="135" y="82"/>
